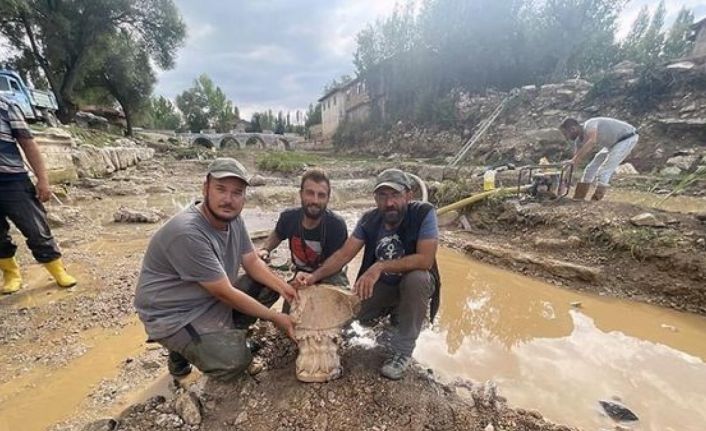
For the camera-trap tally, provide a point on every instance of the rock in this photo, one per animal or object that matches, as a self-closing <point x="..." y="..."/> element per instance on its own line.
<point x="257" y="180"/>
<point x="490" y="427"/>
<point x="168" y="421"/>
<point x="241" y="418"/>
<point x="626" y="169"/>
<point x="87" y="120"/>
<point x="618" y="411"/>
<point x="150" y="364"/>
<point x="683" y="162"/>
<point x="124" y="142"/>
<point x="448" y="218"/>
<point x="127" y="215"/>
<point x="647" y="219"/>
<point x="188" y="407"/>
<point x="431" y="173"/>
<point x="108" y="424"/>
<point x="670" y="171"/>
<point x="55" y="221"/>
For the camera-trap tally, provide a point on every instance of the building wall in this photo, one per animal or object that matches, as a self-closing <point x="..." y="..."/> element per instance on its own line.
<point x="332" y="113"/>
<point x="700" y="43"/>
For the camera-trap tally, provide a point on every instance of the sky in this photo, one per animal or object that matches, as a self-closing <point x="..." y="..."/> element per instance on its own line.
<point x="279" y="54"/>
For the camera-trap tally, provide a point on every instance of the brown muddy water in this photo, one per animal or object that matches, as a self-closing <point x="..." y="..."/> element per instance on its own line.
<point x="560" y="359"/>
<point x="681" y="204"/>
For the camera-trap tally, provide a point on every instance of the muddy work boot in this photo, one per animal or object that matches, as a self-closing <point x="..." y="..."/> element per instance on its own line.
<point x="395" y="366"/>
<point x="56" y="269"/>
<point x="12" y="280"/>
<point x="581" y="191"/>
<point x="178" y="365"/>
<point x="599" y="193"/>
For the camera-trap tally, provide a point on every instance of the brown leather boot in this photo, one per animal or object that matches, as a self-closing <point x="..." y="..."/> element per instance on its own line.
<point x="599" y="193"/>
<point x="581" y="191"/>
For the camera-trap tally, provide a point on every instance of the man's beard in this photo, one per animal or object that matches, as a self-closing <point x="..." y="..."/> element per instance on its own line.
<point x="394" y="216"/>
<point x="313" y="215"/>
<point x="208" y="206"/>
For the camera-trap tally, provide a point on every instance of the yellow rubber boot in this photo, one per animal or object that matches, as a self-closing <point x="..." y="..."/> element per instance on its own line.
<point x="56" y="269"/>
<point x="12" y="280"/>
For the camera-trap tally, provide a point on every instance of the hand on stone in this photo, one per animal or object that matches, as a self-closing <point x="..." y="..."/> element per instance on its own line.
<point x="285" y="323"/>
<point x="289" y="293"/>
<point x="303" y="279"/>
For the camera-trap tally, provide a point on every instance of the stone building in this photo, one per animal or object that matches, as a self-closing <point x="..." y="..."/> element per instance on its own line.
<point x="699" y="38"/>
<point x="346" y="102"/>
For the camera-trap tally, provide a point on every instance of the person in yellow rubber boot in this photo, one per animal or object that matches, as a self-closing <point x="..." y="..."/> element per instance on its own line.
<point x="21" y="202"/>
<point x="614" y="140"/>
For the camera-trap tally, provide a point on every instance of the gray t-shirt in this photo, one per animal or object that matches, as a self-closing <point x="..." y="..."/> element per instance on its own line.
<point x="609" y="130"/>
<point x="185" y="251"/>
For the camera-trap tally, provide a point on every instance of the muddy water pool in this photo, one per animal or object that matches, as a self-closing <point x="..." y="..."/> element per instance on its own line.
<point x="561" y="359"/>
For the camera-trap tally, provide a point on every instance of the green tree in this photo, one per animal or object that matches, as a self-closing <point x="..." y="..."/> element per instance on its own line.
<point x="280" y="124"/>
<point x="65" y="38"/>
<point x="205" y="105"/>
<point x="126" y="75"/>
<point x="255" y="126"/>
<point x="645" y="41"/>
<point x="193" y="105"/>
<point x="162" y="114"/>
<point x="677" y="43"/>
<point x="313" y="115"/>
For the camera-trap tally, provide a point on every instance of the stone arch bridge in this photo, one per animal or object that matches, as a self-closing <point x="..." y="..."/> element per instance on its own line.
<point x="241" y="140"/>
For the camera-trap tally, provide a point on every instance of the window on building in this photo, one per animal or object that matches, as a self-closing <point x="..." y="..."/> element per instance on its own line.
<point x="334" y="100"/>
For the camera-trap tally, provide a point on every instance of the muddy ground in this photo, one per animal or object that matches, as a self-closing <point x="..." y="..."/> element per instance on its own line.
<point x="45" y="332"/>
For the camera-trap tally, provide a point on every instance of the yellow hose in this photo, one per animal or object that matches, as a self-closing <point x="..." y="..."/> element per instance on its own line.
<point x="477" y="198"/>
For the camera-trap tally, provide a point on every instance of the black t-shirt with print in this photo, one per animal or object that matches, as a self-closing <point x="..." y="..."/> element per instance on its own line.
<point x="311" y="247"/>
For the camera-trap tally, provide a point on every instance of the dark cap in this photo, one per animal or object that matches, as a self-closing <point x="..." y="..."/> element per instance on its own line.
<point x="393" y="178"/>
<point x="225" y="167"/>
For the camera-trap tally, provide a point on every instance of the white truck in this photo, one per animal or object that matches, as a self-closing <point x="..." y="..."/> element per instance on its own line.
<point x="35" y="105"/>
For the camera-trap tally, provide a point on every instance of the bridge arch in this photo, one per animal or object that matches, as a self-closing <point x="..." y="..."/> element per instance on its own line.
<point x="230" y="141"/>
<point x="203" y="141"/>
<point x="256" y="141"/>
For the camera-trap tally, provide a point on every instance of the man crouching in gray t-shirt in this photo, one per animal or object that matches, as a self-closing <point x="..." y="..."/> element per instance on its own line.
<point x="189" y="295"/>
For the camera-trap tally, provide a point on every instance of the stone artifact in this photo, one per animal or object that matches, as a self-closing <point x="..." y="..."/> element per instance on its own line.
<point x="127" y="215"/>
<point x="319" y="315"/>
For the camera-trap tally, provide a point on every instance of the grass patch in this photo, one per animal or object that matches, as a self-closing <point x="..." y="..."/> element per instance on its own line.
<point x="97" y="138"/>
<point x="286" y="161"/>
<point x="639" y="240"/>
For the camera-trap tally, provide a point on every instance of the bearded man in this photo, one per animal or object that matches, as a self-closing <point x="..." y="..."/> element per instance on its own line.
<point x="313" y="231"/>
<point x="189" y="294"/>
<point x="399" y="276"/>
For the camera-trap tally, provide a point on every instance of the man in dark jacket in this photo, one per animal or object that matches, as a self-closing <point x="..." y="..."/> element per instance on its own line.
<point x="21" y="202"/>
<point x="399" y="275"/>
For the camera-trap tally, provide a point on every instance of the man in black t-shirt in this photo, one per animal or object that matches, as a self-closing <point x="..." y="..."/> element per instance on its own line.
<point x="313" y="231"/>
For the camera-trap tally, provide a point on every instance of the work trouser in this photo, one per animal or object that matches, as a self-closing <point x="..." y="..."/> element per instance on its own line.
<point x="408" y="302"/>
<point x="606" y="161"/>
<point x="215" y="341"/>
<point x="19" y="204"/>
